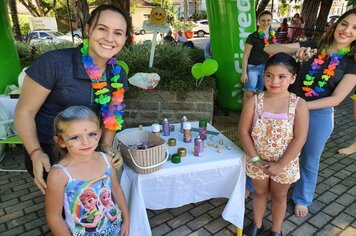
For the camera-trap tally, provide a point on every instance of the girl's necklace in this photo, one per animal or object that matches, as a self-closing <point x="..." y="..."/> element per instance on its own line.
<point x="264" y="36"/>
<point x="112" y="115"/>
<point x="312" y="86"/>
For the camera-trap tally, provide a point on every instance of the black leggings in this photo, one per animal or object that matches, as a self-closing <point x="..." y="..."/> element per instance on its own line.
<point x="48" y="148"/>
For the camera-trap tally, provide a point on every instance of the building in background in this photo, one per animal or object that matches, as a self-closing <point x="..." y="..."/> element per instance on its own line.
<point x="140" y="11"/>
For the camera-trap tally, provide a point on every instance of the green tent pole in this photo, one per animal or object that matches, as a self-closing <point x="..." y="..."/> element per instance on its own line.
<point x="10" y="66"/>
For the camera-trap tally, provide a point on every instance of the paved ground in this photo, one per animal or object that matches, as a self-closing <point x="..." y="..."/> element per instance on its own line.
<point x="333" y="212"/>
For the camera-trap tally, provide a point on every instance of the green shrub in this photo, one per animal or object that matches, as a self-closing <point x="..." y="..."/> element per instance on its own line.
<point x="30" y="52"/>
<point x="173" y="62"/>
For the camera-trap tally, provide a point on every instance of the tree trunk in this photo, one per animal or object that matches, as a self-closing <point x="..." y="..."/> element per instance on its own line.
<point x="322" y="19"/>
<point x="309" y="13"/>
<point x="15" y="19"/>
<point x="82" y="13"/>
<point x="185" y="10"/>
<point x="41" y="8"/>
<point x="261" y="7"/>
<point x="30" y="7"/>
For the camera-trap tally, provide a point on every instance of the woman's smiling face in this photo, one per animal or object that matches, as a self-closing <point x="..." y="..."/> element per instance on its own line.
<point x="265" y="21"/>
<point x="345" y="31"/>
<point x="107" y="37"/>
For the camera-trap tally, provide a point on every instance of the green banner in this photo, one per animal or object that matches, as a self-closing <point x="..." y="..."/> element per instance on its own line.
<point x="10" y="66"/>
<point x="230" y="22"/>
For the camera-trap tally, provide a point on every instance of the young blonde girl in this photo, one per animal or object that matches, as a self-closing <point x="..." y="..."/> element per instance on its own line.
<point x="79" y="179"/>
<point x="273" y="128"/>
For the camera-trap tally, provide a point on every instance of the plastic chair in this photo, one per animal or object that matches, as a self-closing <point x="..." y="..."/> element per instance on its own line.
<point x="10" y="138"/>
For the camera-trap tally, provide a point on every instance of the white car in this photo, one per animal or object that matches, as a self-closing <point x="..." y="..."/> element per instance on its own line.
<point x="76" y="33"/>
<point x="201" y="28"/>
<point x="40" y="36"/>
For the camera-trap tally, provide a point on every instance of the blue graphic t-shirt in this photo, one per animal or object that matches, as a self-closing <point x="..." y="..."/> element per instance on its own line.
<point x="89" y="206"/>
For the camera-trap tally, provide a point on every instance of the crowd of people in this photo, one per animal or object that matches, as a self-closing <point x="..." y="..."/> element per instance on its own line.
<point x="286" y="120"/>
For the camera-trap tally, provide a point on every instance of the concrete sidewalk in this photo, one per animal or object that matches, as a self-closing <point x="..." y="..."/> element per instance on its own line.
<point x="333" y="212"/>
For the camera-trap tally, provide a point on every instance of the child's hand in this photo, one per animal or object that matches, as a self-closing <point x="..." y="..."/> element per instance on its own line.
<point x="243" y="78"/>
<point x="274" y="168"/>
<point x="125" y="228"/>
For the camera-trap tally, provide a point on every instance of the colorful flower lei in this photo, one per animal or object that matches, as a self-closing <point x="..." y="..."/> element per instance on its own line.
<point x="112" y="115"/>
<point x="329" y="72"/>
<point x="265" y="37"/>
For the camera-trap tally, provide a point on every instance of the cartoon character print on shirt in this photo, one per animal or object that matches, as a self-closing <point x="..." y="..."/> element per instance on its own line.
<point x="94" y="211"/>
<point x="110" y="211"/>
<point x="91" y="218"/>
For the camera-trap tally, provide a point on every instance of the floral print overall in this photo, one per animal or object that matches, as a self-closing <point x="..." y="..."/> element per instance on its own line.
<point x="271" y="134"/>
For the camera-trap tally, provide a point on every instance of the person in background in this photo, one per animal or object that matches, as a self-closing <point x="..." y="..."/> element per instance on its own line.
<point x="62" y="78"/>
<point x="81" y="176"/>
<point x="207" y="51"/>
<point x="169" y="38"/>
<point x="294" y="24"/>
<point x="273" y="128"/>
<point x="326" y="77"/>
<point x="300" y="32"/>
<point x="282" y="31"/>
<point x="182" y="39"/>
<point x="254" y="58"/>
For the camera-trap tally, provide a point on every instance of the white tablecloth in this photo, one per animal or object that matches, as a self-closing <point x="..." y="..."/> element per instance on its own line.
<point x="195" y="179"/>
<point x="9" y="104"/>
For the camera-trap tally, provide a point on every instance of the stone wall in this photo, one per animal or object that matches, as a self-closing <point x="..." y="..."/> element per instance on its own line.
<point x="152" y="106"/>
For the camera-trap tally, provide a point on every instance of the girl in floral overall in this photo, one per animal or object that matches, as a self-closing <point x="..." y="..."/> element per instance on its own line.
<point x="273" y="128"/>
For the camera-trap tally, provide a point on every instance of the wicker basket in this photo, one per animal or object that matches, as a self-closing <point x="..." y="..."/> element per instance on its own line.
<point x="143" y="161"/>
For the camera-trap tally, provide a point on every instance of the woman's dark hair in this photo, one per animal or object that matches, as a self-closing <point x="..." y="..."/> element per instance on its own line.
<point x="329" y="38"/>
<point x="284" y="59"/>
<point x="264" y="13"/>
<point x="95" y="15"/>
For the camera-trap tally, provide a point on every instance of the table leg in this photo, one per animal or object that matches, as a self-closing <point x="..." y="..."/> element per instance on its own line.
<point x="239" y="232"/>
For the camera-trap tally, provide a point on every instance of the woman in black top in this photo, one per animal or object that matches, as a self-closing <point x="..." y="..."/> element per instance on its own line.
<point x="325" y="79"/>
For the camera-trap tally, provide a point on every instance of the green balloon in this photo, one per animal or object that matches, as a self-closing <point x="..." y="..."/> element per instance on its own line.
<point x="197" y="71"/>
<point x="210" y="66"/>
<point x="124" y="66"/>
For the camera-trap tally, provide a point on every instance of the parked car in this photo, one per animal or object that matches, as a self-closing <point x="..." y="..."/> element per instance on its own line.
<point x="201" y="28"/>
<point x="138" y="30"/>
<point x="40" y="36"/>
<point x="275" y="24"/>
<point x="76" y="33"/>
<point x="334" y="16"/>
